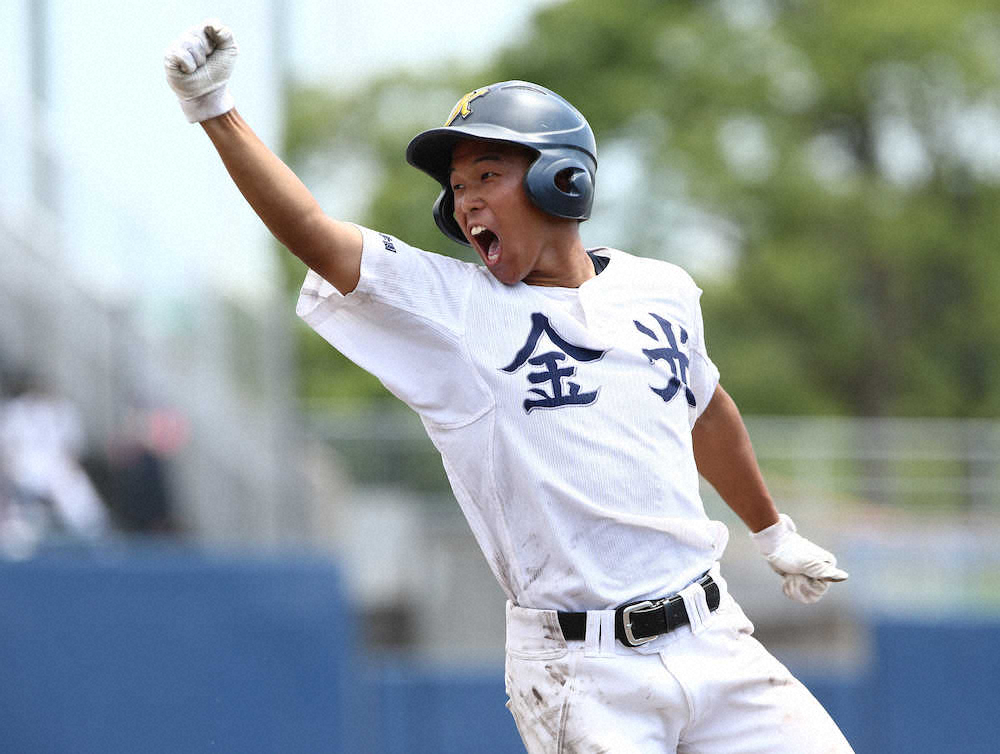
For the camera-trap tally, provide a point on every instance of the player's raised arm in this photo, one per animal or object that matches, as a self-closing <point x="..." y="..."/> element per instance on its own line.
<point x="198" y="66"/>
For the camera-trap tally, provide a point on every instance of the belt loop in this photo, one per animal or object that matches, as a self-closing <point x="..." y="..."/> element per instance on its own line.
<point x="697" y="606"/>
<point x="592" y="640"/>
<point x="600" y="638"/>
<point x="608" y="648"/>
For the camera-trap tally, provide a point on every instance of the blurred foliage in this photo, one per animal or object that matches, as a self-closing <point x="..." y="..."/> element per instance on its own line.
<point x="844" y="156"/>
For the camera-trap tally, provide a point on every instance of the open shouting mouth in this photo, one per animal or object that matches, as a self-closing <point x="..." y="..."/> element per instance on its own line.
<point x="487" y="243"/>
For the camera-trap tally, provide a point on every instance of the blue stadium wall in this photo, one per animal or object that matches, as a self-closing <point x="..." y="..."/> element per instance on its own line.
<point x="167" y="650"/>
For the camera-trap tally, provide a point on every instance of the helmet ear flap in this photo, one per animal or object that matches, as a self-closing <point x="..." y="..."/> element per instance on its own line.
<point x="562" y="185"/>
<point x="444" y="216"/>
<point x="574" y="181"/>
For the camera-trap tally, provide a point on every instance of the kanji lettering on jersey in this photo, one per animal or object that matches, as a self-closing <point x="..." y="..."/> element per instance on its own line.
<point x="559" y="393"/>
<point x="671" y="354"/>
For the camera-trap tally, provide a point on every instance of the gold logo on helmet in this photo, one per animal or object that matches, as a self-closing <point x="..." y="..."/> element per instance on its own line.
<point x="462" y="108"/>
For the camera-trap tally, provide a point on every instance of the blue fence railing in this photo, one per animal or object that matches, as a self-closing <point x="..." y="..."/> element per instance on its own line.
<point x="160" y="651"/>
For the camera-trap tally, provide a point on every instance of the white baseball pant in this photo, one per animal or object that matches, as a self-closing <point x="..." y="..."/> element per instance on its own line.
<point x="707" y="688"/>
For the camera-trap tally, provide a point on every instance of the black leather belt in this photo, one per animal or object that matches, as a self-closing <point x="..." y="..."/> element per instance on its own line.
<point x="639" y="622"/>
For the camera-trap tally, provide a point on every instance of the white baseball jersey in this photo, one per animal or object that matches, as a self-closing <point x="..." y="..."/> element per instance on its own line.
<point x="563" y="416"/>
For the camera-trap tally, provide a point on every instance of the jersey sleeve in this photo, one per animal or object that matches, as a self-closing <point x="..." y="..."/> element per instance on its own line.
<point x="704" y="375"/>
<point x="405" y="324"/>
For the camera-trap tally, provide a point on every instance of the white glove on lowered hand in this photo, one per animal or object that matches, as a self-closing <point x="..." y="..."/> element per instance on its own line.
<point x="198" y="65"/>
<point x="806" y="569"/>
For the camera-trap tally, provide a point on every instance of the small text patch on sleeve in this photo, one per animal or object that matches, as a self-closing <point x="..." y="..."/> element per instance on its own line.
<point x="387" y="242"/>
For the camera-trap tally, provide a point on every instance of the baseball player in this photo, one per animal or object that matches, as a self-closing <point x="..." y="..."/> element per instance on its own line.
<point x="573" y="401"/>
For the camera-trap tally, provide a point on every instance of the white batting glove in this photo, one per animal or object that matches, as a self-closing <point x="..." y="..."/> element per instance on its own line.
<point x="806" y="569"/>
<point x="198" y="66"/>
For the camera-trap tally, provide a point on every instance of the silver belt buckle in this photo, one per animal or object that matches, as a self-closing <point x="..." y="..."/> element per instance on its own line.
<point x="638" y="607"/>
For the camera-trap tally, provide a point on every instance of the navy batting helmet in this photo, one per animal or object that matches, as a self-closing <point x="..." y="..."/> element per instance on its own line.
<point x="560" y="181"/>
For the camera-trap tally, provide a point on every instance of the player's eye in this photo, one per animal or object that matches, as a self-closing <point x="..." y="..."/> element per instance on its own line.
<point x="457" y="186"/>
<point x="488" y="174"/>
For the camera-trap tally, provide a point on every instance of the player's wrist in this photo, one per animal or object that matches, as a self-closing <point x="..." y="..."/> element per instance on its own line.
<point x="209" y="105"/>
<point x="768" y="540"/>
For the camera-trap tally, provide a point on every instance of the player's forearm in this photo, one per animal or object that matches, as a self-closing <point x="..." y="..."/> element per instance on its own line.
<point x="725" y="457"/>
<point x="284" y="204"/>
<point x="276" y="194"/>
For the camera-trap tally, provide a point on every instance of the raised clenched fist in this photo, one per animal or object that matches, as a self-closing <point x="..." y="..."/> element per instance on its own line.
<point x="198" y="66"/>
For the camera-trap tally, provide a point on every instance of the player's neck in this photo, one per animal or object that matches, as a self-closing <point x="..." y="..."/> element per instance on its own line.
<point x="562" y="263"/>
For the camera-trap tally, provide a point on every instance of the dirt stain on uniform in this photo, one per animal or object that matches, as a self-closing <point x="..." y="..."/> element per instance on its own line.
<point x="542" y="719"/>
<point x="500" y="565"/>
<point x="534" y="573"/>
<point x="558" y="675"/>
<point x="582" y="746"/>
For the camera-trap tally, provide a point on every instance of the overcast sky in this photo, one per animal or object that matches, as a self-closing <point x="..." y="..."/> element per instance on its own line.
<point x="342" y="43"/>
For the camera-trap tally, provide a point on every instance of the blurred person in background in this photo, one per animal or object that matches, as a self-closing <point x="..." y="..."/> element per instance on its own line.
<point x="46" y="489"/>
<point x="134" y="473"/>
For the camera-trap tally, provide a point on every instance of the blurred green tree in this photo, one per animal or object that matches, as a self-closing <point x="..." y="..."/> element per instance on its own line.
<point x="829" y="171"/>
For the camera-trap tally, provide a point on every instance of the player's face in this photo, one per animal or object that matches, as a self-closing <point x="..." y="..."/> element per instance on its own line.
<point x="492" y="208"/>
